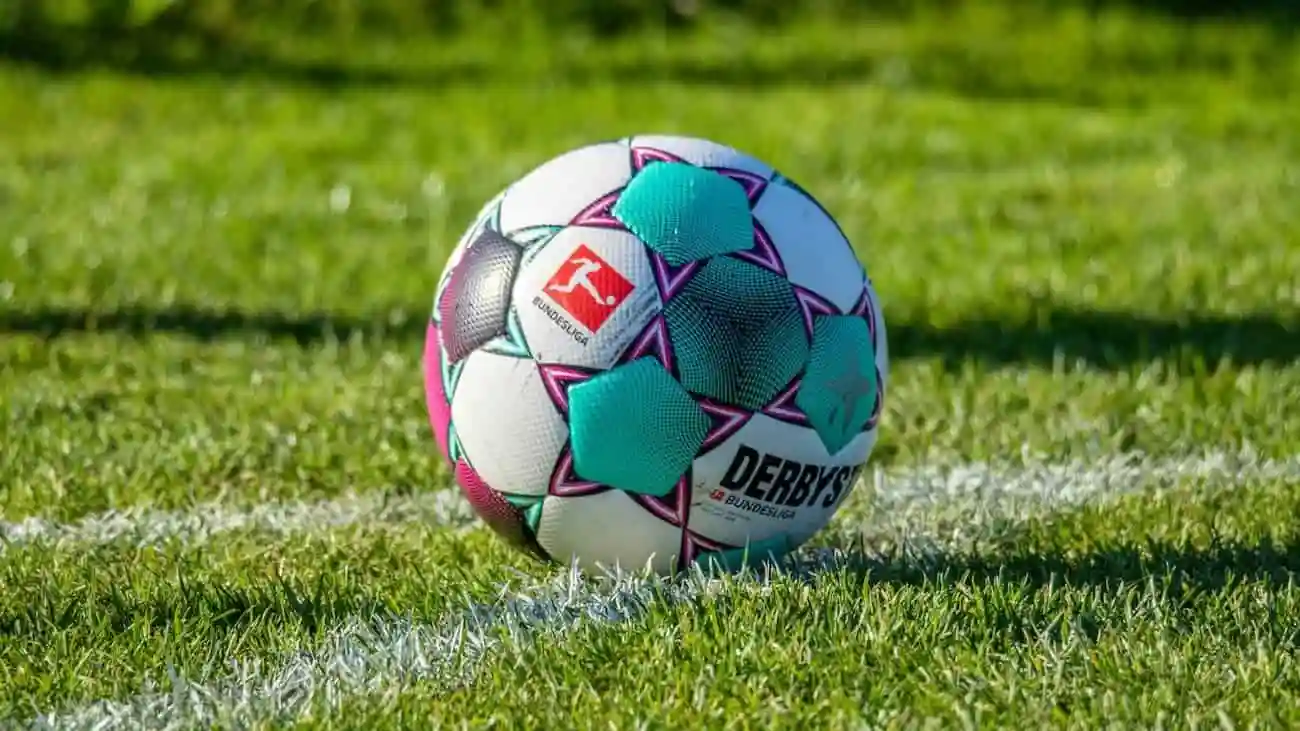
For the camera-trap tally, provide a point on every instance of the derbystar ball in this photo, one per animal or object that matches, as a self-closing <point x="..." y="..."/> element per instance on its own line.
<point x="653" y="352"/>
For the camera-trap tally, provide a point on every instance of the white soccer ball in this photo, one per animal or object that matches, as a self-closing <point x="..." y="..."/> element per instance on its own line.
<point x="652" y="352"/>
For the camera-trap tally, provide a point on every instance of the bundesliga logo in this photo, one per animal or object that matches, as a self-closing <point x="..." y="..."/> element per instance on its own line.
<point x="588" y="288"/>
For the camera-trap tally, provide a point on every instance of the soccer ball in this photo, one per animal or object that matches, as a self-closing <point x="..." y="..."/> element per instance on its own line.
<point x="649" y="352"/>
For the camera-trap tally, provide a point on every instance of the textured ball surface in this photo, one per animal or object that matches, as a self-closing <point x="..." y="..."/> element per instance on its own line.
<point x="652" y="352"/>
<point x="636" y="427"/>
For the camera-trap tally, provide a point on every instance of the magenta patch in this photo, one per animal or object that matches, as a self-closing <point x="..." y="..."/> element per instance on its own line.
<point x="493" y="508"/>
<point x="434" y="392"/>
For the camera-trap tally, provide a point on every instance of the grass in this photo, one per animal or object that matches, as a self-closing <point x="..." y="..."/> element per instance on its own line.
<point x="213" y="284"/>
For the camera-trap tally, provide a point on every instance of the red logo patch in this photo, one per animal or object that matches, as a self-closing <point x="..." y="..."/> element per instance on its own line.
<point x="588" y="288"/>
<point x="717" y="495"/>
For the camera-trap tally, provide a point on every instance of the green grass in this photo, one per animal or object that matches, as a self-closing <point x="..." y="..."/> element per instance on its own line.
<point x="133" y="611"/>
<point x="1137" y="626"/>
<point x="1083" y="237"/>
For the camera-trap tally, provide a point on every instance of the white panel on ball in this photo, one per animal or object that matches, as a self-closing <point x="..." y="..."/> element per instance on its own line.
<point x="704" y="153"/>
<point x="560" y="189"/>
<point x="507" y="425"/>
<point x="816" y="255"/>
<point x="608" y="526"/>
<point x="553" y="319"/>
<point x="772" y="479"/>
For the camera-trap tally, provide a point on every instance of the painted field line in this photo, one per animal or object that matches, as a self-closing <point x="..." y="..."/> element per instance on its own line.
<point x="968" y="501"/>
<point x="376" y="656"/>
<point x="147" y="526"/>
<point x="1068" y="481"/>
<point x="889" y="489"/>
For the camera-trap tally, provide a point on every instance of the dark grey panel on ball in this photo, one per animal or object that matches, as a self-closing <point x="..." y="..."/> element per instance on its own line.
<point x="474" y="304"/>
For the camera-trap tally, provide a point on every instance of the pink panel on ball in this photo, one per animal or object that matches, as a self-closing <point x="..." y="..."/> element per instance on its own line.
<point x="494" y="509"/>
<point x="434" y="393"/>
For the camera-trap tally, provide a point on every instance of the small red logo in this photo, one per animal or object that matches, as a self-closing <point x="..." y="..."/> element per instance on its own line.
<point x="588" y="288"/>
<point x="717" y="495"/>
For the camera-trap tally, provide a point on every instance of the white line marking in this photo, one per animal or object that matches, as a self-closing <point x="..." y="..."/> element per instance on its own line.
<point x="378" y="655"/>
<point x="1071" y="481"/>
<point x="367" y="656"/>
<point x="892" y="488"/>
<point x="970" y="501"/>
<point x="147" y="526"/>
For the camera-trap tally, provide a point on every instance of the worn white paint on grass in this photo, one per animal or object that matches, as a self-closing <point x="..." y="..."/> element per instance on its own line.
<point x="967" y="502"/>
<point x="147" y="526"/>
<point x="371" y="656"/>
<point x="913" y="488"/>
<point x="1072" y="481"/>
<point x="374" y="656"/>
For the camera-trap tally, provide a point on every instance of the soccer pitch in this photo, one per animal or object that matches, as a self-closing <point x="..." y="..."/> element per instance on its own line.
<point x="221" y="504"/>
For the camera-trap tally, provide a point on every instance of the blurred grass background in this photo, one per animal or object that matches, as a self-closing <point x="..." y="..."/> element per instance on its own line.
<point x="319" y="39"/>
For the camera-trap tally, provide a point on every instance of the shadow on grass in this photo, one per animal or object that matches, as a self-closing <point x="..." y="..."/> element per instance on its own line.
<point x="1181" y="575"/>
<point x="221" y="606"/>
<point x="233" y="61"/>
<point x="196" y="53"/>
<point x="1208" y="569"/>
<point x="1283" y="14"/>
<point x="936" y="68"/>
<point x="1105" y="340"/>
<point x="208" y="324"/>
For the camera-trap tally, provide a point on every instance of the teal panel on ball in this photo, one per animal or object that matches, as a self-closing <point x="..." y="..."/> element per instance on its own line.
<point x="686" y="213"/>
<point x="838" y="392"/>
<point x="737" y="333"/>
<point x="530" y="506"/>
<point x="635" y="428"/>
